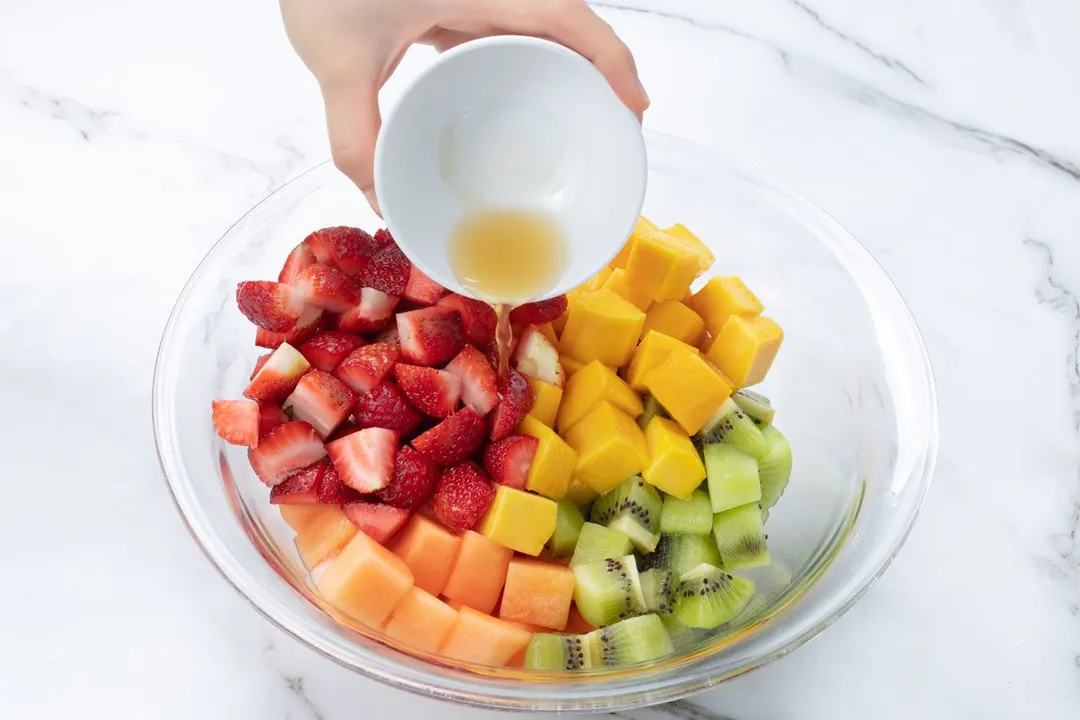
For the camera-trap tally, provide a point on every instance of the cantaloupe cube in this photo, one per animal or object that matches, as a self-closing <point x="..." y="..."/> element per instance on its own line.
<point x="576" y="624"/>
<point x="674" y="464"/>
<point x="429" y="550"/>
<point x="546" y="399"/>
<point x="689" y="388"/>
<point x="519" y="520"/>
<point x="590" y="386"/>
<point x="674" y="319"/>
<point x="745" y="348"/>
<point x="619" y="283"/>
<point x="553" y="465"/>
<point x="579" y="493"/>
<point x="421" y="621"/>
<point x="537" y="593"/>
<point x="654" y="350"/>
<point x="478" y="575"/>
<point x="721" y="298"/>
<point x="610" y="447"/>
<point x="324" y="536"/>
<point x="484" y="640"/>
<point x="602" y="326"/>
<point x="300" y="516"/>
<point x="704" y="254"/>
<point x="366" y="581"/>
<point x="643" y="225"/>
<point x="662" y="265"/>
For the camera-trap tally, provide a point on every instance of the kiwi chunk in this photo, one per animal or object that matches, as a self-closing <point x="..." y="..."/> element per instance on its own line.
<point x="633" y="508"/>
<point x="596" y="542"/>
<point x="733" y="477"/>
<point x="549" y="651"/>
<point x="608" y="590"/>
<point x="679" y="552"/>
<point x="709" y="597"/>
<point x="632" y="641"/>
<point x="774" y="468"/>
<point x="675" y="629"/>
<point x="652" y="408"/>
<point x="568" y="524"/>
<point x="730" y="424"/>
<point x="758" y="407"/>
<point x="692" y="515"/>
<point x="658" y="588"/>
<point x="740" y="538"/>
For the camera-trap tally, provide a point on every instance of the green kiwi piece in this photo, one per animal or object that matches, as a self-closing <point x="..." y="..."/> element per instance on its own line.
<point x="632" y="641"/>
<point x="730" y="424"/>
<point x="758" y="407"/>
<point x="692" y="515"/>
<point x="608" y="590"/>
<point x="740" y="538"/>
<point x="675" y="629"/>
<point x="732" y="476"/>
<point x="596" y="542"/>
<point x="568" y="524"/>
<point x="658" y="588"/>
<point x="549" y="651"/>
<point x="709" y="597"/>
<point x="652" y="408"/>
<point x="633" y="508"/>
<point x="774" y="468"/>
<point x="679" y="552"/>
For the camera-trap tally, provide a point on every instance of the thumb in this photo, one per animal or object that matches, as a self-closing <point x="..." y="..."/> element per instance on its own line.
<point x="353" y="121"/>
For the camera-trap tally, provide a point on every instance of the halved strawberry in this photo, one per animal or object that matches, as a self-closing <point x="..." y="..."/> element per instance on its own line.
<point x="309" y="323"/>
<point x="454" y="439"/>
<point x="389" y="335"/>
<point x="432" y="392"/>
<point x="367" y="366"/>
<point x="508" y="460"/>
<point x="478" y="381"/>
<point x="431" y="336"/>
<point x="462" y="497"/>
<point x="270" y="416"/>
<point x="278" y="375"/>
<point x="349" y="248"/>
<point x="327" y="288"/>
<point x="321" y="400"/>
<point x="413" y="482"/>
<point x="317" y="242"/>
<point x="385" y="406"/>
<point x="538" y="313"/>
<point x="326" y="350"/>
<point x="477" y="318"/>
<point x="259" y="362"/>
<point x="302" y="256"/>
<point x="236" y="421"/>
<point x="301" y="489"/>
<point x="421" y="289"/>
<point x="371" y="315"/>
<point x="515" y="401"/>
<point x="388" y="271"/>
<point x="285" y="451"/>
<point x="270" y="305"/>
<point x="331" y="490"/>
<point x="365" y="459"/>
<point x="378" y="522"/>
<point x="536" y="357"/>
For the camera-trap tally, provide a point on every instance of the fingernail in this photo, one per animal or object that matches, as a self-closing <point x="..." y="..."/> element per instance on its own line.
<point x="373" y="201"/>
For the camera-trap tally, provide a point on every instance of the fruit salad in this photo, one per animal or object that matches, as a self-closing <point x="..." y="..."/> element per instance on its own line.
<point x="588" y="509"/>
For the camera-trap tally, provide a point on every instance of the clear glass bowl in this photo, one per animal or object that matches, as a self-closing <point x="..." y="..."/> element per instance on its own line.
<point x="853" y="388"/>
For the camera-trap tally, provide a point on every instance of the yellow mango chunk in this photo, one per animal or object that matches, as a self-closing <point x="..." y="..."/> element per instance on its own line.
<point x="610" y="447"/>
<point x="619" y="283"/>
<point x="674" y="464"/>
<point x="546" y="399"/>
<point x="662" y="265"/>
<point x="688" y="387"/>
<point x="721" y="298"/>
<point x="548" y="331"/>
<point x="643" y="225"/>
<point x="602" y="326"/>
<point x="674" y="319"/>
<point x="704" y="254"/>
<point x="590" y="386"/>
<point x="570" y="365"/>
<point x="654" y="349"/>
<point x="745" y="348"/>
<point x="579" y="493"/>
<point x="554" y="463"/>
<point x="519" y="520"/>
<point x="595" y="282"/>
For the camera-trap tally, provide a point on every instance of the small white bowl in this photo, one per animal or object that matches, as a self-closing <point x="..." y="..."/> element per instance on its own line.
<point x="515" y="123"/>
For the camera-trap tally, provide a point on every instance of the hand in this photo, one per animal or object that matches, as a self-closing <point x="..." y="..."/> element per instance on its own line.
<point x="353" y="46"/>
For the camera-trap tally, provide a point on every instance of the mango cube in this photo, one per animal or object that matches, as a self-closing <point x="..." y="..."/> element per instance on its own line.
<point x="546" y="399"/>
<point x="643" y="225"/>
<point x="519" y="520"/>
<point x="554" y="462"/>
<point x="745" y="348"/>
<point x="654" y="349"/>
<point x="662" y="265"/>
<point x="570" y="365"/>
<point x="689" y="388"/>
<point x="676" y="320"/>
<point x="579" y="493"/>
<point x="619" y="283"/>
<point x="602" y="326"/>
<point x="590" y="386"/>
<point x="674" y="464"/>
<point x="548" y="331"/>
<point x="610" y="447"/>
<point x="704" y="254"/>
<point x="721" y="298"/>
<point x="595" y="282"/>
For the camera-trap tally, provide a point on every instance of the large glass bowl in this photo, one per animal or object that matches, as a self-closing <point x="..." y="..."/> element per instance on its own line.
<point x="852" y="384"/>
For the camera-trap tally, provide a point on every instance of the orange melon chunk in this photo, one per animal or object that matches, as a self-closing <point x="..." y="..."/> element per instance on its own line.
<point x="421" y="621"/>
<point x="300" y="516"/>
<point x="477" y="577"/>
<point x="366" y="581"/>
<point x="429" y="550"/>
<point x="324" y="536"/>
<point x="484" y="640"/>
<point x="537" y="593"/>
<point x="576" y="624"/>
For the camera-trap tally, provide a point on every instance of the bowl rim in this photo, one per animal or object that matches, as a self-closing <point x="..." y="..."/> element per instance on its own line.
<point x="667" y="693"/>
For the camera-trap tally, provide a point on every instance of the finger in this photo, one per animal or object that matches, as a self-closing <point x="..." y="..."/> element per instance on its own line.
<point x="353" y="121"/>
<point x="444" y="39"/>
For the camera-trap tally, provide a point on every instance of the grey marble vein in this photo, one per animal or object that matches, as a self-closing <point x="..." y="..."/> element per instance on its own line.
<point x="679" y="709"/>
<point x="295" y="685"/>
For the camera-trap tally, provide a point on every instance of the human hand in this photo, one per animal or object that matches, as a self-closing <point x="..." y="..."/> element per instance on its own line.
<point x="352" y="47"/>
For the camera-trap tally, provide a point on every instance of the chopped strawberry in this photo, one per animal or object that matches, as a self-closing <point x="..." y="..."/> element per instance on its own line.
<point x="285" y="451"/>
<point x="326" y="350"/>
<point x="536" y="357"/>
<point x="462" y="497"/>
<point x="367" y="366"/>
<point x="259" y="362"/>
<point x="385" y="406"/>
<point x="279" y="374"/>
<point x="515" y="401"/>
<point x="389" y="335"/>
<point x="236" y="421"/>
<point x="431" y="337"/>
<point x="478" y="381"/>
<point x="302" y="256"/>
<point x="491" y="352"/>
<point x="365" y="459"/>
<point x="477" y="318"/>
<point x="270" y="416"/>
<point x="371" y="315"/>
<point x="270" y="305"/>
<point x="421" y="289"/>
<point x="538" y="313"/>
<point x="378" y="522"/>
<point x="321" y="400"/>
<point x="388" y="271"/>
<point x="317" y="242"/>
<point x="349" y="248"/>
<point x="413" y="482"/>
<point x="454" y="439"/>
<point x="383" y="239"/>
<point x="331" y="490"/>
<point x="432" y="392"/>
<point x="301" y="489"/>
<point x="309" y="323"/>
<point x="508" y="460"/>
<point x="327" y="288"/>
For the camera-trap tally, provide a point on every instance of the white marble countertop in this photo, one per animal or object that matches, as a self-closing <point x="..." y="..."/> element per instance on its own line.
<point x="946" y="136"/>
